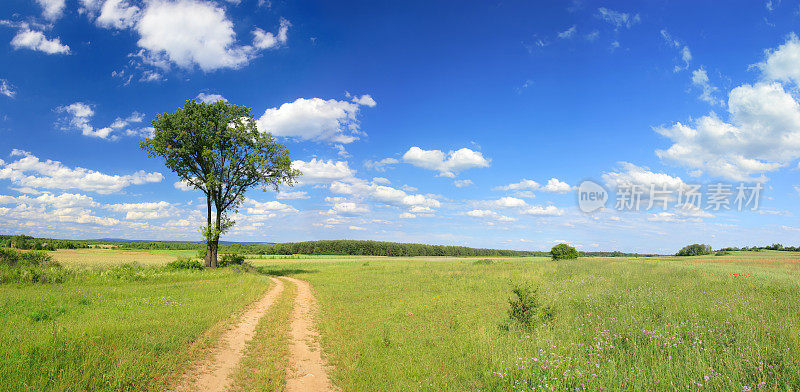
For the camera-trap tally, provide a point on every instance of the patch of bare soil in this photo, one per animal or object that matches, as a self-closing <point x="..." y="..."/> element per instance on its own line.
<point x="307" y="370"/>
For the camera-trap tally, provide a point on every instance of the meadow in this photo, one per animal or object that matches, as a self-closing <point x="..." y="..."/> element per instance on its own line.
<point x="719" y="323"/>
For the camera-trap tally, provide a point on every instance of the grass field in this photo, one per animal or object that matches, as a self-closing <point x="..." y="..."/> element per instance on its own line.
<point x="720" y="323"/>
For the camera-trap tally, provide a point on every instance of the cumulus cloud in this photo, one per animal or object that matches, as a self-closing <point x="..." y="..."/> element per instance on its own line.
<point x="78" y="116"/>
<point x="630" y="174"/>
<point x="292" y="195"/>
<point x="318" y="171"/>
<point x="348" y="208"/>
<point x="448" y="165"/>
<point x="761" y="135"/>
<point x="543" y="211"/>
<point x="462" y="183"/>
<point x="191" y="33"/>
<point x="525" y="184"/>
<point x="36" y="40"/>
<point x="360" y="189"/>
<point x="555" y="185"/>
<point x="52" y="9"/>
<point x="267" y="208"/>
<point x="783" y="64"/>
<point x="141" y="211"/>
<point x="266" y="40"/>
<point x="28" y="171"/>
<point x="316" y="119"/>
<point x="118" y="14"/>
<point x="7" y="89"/>
<point x="509" y="201"/>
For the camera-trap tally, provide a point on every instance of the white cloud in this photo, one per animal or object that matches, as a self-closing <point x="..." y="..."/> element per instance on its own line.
<point x="642" y="177"/>
<point x="7" y="89"/>
<point x="762" y="135"/>
<point x="348" y="208"/>
<point x="554" y="185"/>
<point x="118" y="14"/>
<point x="407" y="215"/>
<point x="700" y="79"/>
<point x="52" y="9"/>
<point x="568" y="33"/>
<point x="618" y="19"/>
<point x="36" y="40"/>
<point x="488" y="214"/>
<point x="359" y="228"/>
<point x="783" y="64"/>
<point x="292" y="195"/>
<point x="386" y="195"/>
<point x="543" y="211"/>
<point x="141" y="211"/>
<point x="315" y="119"/>
<point x="183" y="186"/>
<point x="446" y="164"/>
<point x="382" y="164"/>
<point x="381" y="180"/>
<point x="322" y="172"/>
<point x="191" y="33"/>
<point x="210" y="98"/>
<point x="29" y="171"/>
<point x="509" y="201"/>
<point x="522" y="185"/>
<point x="462" y="183"/>
<point x="78" y="116"/>
<point x="267" y="208"/>
<point x="265" y="40"/>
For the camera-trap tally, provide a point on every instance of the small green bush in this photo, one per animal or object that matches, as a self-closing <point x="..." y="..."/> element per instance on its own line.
<point x="694" y="250"/>
<point x="483" y="262"/>
<point x="525" y="309"/>
<point x="230" y="259"/>
<point x="722" y="253"/>
<point x="563" y="252"/>
<point x="131" y="272"/>
<point x="186" y="263"/>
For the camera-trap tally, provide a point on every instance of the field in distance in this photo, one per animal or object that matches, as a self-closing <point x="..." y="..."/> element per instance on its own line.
<point x="720" y="323"/>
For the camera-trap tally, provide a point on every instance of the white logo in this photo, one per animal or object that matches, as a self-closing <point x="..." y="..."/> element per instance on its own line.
<point x="591" y="196"/>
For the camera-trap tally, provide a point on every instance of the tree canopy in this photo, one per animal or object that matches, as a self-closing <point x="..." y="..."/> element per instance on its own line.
<point x="217" y="149"/>
<point x="563" y="251"/>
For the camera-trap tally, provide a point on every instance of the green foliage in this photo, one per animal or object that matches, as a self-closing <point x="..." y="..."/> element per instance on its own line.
<point x="230" y="259"/>
<point x="27" y="243"/>
<point x="29" y="267"/>
<point x="217" y="148"/>
<point x="525" y="309"/>
<point x="694" y="250"/>
<point x="563" y="252"/>
<point x="483" y="262"/>
<point x="186" y="263"/>
<point x="722" y="253"/>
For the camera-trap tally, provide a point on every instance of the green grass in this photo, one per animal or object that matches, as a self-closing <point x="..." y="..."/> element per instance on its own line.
<point x="727" y="322"/>
<point x="114" y="330"/>
<point x="730" y="323"/>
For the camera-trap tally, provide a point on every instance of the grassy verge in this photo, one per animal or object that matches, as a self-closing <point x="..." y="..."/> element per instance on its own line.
<point x="126" y="328"/>
<point x="264" y="366"/>
<point x="726" y="323"/>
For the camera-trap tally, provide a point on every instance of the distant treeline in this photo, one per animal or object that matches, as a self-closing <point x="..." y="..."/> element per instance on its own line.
<point x="27" y="242"/>
<point x="335" y="247"/>
<point x="323" y="247"/>
<point x="770" y="247"/>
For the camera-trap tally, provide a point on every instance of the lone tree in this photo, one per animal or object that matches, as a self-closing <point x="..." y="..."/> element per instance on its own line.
<point x="563" y="251"/>
<point x="216" y="148"/>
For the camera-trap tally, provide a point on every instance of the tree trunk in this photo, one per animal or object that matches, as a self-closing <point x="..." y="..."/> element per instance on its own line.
<point x="210" y="263"/>
<point x="213" y="252"/>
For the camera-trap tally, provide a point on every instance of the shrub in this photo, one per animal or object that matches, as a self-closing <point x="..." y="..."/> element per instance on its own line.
<point x="525" y="308"/>
<point x="694" y="250"/>
<point x="30" y="267"/>
<point x="186" y="263"/>
<point x="483" y="262"/>
<point x="722" y="253"/>
<point x="230" y="259"/>
<point x="563" y="251"/>
<point x="127" y="272"/>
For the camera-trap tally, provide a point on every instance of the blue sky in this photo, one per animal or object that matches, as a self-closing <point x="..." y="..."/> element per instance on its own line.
<point x="412" y="121"/>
